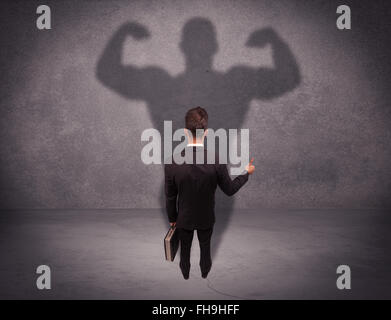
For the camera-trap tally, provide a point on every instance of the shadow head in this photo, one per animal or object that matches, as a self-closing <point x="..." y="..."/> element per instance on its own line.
<point x="199" y="42"/>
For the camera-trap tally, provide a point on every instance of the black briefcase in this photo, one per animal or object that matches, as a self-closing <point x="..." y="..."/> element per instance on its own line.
<point x="171" y="243"/>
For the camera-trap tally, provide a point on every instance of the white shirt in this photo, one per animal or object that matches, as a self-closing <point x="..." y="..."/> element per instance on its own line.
<point x="195" y="145"/>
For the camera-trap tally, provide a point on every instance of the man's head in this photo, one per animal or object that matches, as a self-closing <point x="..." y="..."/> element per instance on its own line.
<point x="196" y="118"/>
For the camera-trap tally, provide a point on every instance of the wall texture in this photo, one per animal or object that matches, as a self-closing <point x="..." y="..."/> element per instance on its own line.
<point x="75" y="99"/>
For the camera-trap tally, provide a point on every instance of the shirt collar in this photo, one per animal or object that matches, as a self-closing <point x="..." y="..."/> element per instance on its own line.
<point x="195" y="145"/>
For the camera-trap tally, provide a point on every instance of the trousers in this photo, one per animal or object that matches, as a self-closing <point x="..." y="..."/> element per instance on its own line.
<point x="186" y="238"/>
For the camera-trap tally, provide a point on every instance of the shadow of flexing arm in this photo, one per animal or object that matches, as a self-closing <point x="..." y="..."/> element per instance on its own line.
<point x="267" y="82"/>
<point x="226" y="96"/>
<point x="128" y="80"/>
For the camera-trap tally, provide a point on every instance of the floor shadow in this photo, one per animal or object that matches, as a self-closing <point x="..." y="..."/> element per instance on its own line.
<point x="226" y="96"/>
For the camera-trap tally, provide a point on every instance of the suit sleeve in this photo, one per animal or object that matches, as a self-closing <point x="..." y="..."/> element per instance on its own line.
<point x="171" y="192"/>
<point x="229" y="187"/>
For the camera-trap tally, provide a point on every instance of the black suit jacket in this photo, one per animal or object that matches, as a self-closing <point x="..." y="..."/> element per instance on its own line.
<point x="190" y="190"/>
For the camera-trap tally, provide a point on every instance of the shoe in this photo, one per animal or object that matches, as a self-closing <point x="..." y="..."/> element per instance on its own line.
<point x="185" y="274"/>
<point x="204" y="274"/>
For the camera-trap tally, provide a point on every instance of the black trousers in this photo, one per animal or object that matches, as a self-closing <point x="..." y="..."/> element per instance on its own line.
<point x="186" y="238"/>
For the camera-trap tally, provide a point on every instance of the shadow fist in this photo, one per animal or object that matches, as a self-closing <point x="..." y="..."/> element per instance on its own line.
<point x="261" y="38"/>
<point x="136" y="30"/>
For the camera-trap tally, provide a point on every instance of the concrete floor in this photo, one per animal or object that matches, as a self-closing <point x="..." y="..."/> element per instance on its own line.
<point x="264" y="254"/>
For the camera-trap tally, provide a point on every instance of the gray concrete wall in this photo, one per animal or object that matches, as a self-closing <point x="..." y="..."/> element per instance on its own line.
<point x="72" y="115"/>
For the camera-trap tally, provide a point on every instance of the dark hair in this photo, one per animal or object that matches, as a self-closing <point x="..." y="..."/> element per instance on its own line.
<point x="196" y="118"/>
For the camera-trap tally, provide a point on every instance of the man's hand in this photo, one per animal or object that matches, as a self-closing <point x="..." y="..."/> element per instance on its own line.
<point x="250" y="168"/>
<point x="172" y="224"/>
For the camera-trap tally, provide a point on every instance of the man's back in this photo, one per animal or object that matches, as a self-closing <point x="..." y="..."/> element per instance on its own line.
<point x="190" y="190"/>
<point x="193" y="186"/>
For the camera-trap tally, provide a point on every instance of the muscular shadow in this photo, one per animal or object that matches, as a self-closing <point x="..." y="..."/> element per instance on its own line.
<point x="226" y="96"/>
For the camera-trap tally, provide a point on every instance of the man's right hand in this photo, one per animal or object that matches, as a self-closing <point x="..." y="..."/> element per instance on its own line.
<point x="250" y="168"/>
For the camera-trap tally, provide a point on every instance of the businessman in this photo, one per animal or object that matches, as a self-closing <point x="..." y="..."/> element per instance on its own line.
<point x="190" y="193"/>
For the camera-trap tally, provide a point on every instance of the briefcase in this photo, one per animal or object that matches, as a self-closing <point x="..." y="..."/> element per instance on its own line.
<point x="171" y="243"/>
